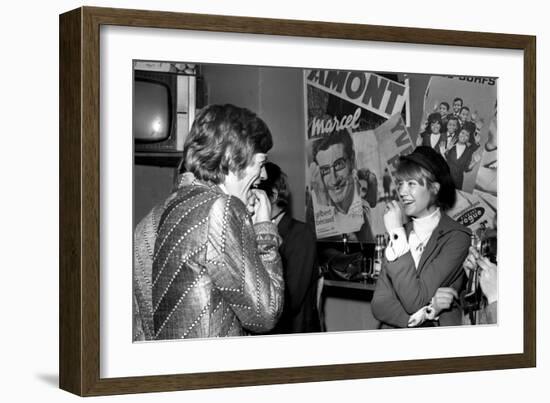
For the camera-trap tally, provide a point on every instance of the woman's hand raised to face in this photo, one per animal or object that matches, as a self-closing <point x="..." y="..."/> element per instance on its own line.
<point x="393" y="216"/>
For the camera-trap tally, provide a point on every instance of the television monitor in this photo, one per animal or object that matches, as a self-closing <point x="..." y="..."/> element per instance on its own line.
<point x="163" y="110"/>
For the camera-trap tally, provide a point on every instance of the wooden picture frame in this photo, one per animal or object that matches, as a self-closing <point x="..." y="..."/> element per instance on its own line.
<point x="79" y="279"/>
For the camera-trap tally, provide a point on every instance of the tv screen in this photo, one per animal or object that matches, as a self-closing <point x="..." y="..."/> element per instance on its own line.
<point x="152" y="111"/>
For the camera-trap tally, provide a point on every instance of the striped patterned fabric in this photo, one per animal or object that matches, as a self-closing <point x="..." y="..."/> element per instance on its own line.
<point x="211" y="273"/>
<point x="145" y="235"/>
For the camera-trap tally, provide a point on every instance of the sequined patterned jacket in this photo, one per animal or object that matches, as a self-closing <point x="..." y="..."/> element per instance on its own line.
<point x="213" y="272"/>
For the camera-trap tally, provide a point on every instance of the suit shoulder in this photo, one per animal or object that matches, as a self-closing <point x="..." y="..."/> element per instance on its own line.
<point x="454" y="233"/>
<point x="448" y="224"/>
<point x="296" y="232"/>
<point x="196" y="202"/>
<point x="303" y="228"/>
<point x="227" y="206"/>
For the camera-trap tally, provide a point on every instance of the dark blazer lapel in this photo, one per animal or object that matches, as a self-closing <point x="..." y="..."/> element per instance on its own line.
<point x="284" y="225"/>
<point x="442" y="227"/>
<point x="463" y="156"/>
<point x="430" y="246"/>
<point x="453" y="154"/>
<point x="442" y="141"/>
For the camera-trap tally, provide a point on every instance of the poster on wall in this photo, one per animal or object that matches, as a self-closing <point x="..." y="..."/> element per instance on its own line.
<point x="344" y="163"/>
<point x="359" y="123"/>
<point x="473" y="112"/>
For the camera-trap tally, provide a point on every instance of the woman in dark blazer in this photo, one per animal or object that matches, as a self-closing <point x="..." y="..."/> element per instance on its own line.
<point x="424" y="254"/>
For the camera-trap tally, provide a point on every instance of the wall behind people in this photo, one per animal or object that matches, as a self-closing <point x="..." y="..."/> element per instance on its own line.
<point x="276" y="95"/>
<point x="282" y="108"/>
<point x="151" y="185"/>
<point x="232" y="84"/>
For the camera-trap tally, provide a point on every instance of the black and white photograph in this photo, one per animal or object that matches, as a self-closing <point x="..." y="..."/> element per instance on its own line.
<point x="266" y="202"/>
<point x="277" y="200"/>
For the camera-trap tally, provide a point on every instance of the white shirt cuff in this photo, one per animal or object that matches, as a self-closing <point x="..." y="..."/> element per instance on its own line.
<point x="423" y="314"/>
<point x="397" y="245"/>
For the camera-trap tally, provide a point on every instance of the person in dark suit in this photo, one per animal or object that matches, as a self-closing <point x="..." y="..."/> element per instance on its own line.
<point x="460" y="157"/>
<point x="426" y="253"/>
<point x="299" y="256"/>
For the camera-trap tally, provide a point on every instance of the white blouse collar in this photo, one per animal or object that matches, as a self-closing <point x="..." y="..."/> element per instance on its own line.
<point x="424" y="226"/>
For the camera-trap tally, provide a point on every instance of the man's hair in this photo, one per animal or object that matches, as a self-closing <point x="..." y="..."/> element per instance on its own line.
<point x="458" y="99"/>
<point x="338" y="137"/>
<point x="224" y="138"/>
<point x="445" y="104"/>
<point x="464" y="107"/>
<point x="276" y="180"/>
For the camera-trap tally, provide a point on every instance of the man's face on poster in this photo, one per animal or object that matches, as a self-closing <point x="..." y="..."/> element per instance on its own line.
<point x="464" y="115"/>
<point x="457" y="105"/>
<point x="452" y="125"/>
<point x="336" y="172"/>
